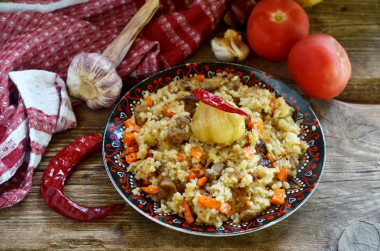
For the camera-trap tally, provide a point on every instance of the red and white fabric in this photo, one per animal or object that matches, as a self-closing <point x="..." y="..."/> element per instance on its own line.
<point x="45" y="35"/>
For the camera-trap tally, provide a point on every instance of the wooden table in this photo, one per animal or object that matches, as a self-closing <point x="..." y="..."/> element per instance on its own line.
<point x="343" y="212"/>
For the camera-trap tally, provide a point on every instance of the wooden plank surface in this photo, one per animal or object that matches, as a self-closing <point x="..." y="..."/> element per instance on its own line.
<point x="343" y="212"/>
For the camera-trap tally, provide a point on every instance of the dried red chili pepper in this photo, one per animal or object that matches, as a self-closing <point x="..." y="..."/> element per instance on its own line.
<point x="210" y="99"/>
<point x="59" y="168"/>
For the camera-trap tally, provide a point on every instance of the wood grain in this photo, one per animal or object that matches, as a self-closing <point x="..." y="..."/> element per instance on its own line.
<point x="345" y="205"/>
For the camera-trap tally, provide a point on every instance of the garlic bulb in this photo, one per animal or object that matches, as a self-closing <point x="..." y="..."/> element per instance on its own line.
<point x="211" y="125"/>
<point x="93" y="78"/>
<point x="230" y="48"/>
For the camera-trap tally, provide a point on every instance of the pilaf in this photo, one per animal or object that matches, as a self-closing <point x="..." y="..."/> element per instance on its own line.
<point x="208" y="165"/>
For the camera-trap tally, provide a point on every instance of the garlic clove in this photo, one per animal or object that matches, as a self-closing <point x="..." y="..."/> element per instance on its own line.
<point x="93" y="78"/>
<point x="240" y="49"/>
<point x="222" y="49"/>
<point x="230" y="48"/>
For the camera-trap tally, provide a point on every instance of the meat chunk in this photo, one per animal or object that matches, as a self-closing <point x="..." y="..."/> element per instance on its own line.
<point x="204" y="192"/>
<point x="233" y="83"/>
<point x="180" y="187"/>
<point x="185" y="85"/>
<point x="183" y="121"/>
<point x="248" y="215"/>
<point x="214" y="172"/>
<point x="210" y="84"/>
<point x="190" y="104"/>
<point x="138" y="110"/>
<point x="190" y="99"/>
<point x="166" y="188"/>
<point x="180" y="132"/>
<point x="261" y="148"/>
<point x="161" y="169"/>
<point x="177" y="135"/>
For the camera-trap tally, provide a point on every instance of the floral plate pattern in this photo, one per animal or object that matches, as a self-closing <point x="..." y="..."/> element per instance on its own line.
<point x="309" y="170"/>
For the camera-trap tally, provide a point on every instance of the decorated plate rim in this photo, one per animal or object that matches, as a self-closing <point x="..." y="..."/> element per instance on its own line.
<point x="289" y="90"/>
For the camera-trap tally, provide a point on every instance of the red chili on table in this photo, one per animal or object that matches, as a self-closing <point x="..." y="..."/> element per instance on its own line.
<point x="56" y="173"/>
<point x="212" y="100"/>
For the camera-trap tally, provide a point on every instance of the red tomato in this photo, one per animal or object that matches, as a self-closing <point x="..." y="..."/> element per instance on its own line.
<point x="274" y="26"/>
<point x="320" y="66"/>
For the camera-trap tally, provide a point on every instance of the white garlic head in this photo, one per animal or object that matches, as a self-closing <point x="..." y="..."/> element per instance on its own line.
<point x="230" y="48"/>
<point x="222" y="50"/>
<point x="92" y="77"/>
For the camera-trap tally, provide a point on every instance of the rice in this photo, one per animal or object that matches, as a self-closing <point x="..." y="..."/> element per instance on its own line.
<point x="245" y="184"/>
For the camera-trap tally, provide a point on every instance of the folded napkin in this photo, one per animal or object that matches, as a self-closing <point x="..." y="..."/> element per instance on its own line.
<point x="46" y="35"/>
<point x="29" y="116"/>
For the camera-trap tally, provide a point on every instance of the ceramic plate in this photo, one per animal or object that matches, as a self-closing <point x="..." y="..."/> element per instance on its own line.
<point x="309" y="170"/>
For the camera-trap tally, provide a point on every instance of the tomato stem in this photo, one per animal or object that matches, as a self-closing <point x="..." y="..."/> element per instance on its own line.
<point x="278" y="16"/>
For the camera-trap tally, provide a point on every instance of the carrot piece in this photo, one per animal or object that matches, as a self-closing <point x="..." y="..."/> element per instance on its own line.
<point x="147" y="181"/>
<point x="199" y="78"/>
<point x="149" y="101"/>
<point x="130" y="149"/>
<point x="270" y="157"/>
<point x="133" y="149"/>
<point x="128" y="123"/>
<point x="282" y="174"/>
<point x="150" y="189"/>
<point x="208" y="202"/>
<point x="257" y="125"/>
<point x="188" y="215"/>
<point x="129" y="138"/>
<point x="180" y="157"/>
<point x="278" y="198"/>
<point x="225" y="208"/>
<point x="248" y="152"/>
<point x="124" y="153"/>
<point x="196" y="173"/>
<point x="167" y="112"/>
<point x="271" y="104"/>
<point x="196" y="152"/>
<point x="130" y="158"/>
<point x="202" y="181"/>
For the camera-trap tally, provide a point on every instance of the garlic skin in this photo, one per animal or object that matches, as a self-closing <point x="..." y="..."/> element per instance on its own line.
<point x="211" y="125"/>
<point x="222" y="50"/>
<point x="241" y="49"/>
<point x="93" y="78"/>
<point x="230" y="48"/>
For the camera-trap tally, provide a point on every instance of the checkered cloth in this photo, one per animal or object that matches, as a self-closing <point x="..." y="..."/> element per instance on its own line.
<point x="46" y="35"/>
